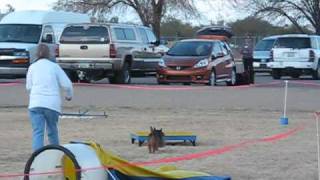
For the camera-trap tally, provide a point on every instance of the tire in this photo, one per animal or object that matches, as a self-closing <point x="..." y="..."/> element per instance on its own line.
<point x="213" y="78"/>
<point x="295" y="75"/>
<point x="72" y="76"/>
<point x="233" y="77"/>
<point x="112" y="80"/>
<point x="123" y="76"/>
<point x="276" y="73"/>
<point x="163" y="83"/>
<point x="316" y="73"/>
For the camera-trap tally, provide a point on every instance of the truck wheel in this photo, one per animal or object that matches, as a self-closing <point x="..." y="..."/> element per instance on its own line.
<point x="276" y="73"/>
<point x="213" y="78"/>
<point x="233" y="78"/>
<point x="295" y="75"/>
<point x="72" y="76"/>
<point x="123" y="76"/>
<point x="316" y="73"/>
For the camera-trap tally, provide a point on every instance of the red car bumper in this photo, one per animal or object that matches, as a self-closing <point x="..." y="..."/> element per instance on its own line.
<point x="195" y="75"/>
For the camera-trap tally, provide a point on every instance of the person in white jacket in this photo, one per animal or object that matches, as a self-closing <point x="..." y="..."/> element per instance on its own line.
<point x="45" y="79"/>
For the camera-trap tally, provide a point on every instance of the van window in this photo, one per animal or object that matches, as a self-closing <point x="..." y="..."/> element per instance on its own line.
<point x="143" y="35"/>
<point x="47" y="30"/>
<point x="24" y="33"/>
<point x="151" y="37"/>
<point x="293" y="42"/>
<point x="265" y="45"/>
<point x="125" y="34"/>
<point x="83" y="34"/>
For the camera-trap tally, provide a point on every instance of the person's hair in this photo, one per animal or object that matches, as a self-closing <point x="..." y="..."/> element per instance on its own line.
<point x="43" y="51"/>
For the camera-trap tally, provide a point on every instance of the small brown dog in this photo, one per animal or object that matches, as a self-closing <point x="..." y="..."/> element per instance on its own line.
<point x="156" y="140"/>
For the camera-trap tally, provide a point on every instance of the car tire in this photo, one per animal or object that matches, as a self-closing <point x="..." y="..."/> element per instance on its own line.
<point x="212" y="78"/>
<point x="276" y="73"/>
<point x="233" y="78"/>
<point x="112" y="80"/>
<point x="316" y="73"/>
<point x="123" y="76"/>
<point x="163" y="83"/>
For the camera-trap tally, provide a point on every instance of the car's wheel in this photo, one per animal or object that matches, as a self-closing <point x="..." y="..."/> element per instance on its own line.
<point x="162" y="83"/>
<point x="276" y="73"/>
<point x="213" y="79"/>
<point x="316" y="73"/>
<point x="233" y="78"/>
<point x="72" y="76"/>
<point x="295" y="75"/>
<point x="123" y="76"/>
<point x="112" y="80"/>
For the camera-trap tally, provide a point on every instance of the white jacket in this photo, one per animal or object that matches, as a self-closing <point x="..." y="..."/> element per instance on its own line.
<point x="44" y="80"/>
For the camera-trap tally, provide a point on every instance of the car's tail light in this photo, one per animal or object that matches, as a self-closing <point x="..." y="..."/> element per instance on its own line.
<point x="271" y="55"/>
<point x="113" y="51"/>
<point x="312" y="56"/>
<point x="57" y="53"/>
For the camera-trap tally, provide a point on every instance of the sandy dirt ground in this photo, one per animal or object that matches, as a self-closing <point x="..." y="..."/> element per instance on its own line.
<point x="220" y="116"/>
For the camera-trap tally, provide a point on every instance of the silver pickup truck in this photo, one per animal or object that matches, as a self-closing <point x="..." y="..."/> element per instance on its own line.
<point x="117" y="51"/>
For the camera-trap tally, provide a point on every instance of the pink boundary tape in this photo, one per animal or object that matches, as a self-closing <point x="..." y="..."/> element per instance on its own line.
<point x="214" y="152"/>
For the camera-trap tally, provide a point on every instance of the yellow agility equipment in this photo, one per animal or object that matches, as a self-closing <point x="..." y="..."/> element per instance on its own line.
<point x="88" y="161"/>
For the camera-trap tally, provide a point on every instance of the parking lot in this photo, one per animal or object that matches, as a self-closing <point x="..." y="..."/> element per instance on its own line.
<point x="238" y="127"/>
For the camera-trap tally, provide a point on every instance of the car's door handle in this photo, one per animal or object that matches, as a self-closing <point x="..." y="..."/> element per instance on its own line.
<point x="84" y="47"/>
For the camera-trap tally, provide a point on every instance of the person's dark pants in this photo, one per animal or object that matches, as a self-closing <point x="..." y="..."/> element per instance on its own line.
<point x="248" y="67"/>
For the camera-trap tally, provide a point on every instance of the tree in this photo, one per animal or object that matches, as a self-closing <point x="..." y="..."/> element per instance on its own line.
<point x="298" y="12"/>
<point x="150" y="12"/>
<point x="252" y="25"/>
<point x="173" y="27"/>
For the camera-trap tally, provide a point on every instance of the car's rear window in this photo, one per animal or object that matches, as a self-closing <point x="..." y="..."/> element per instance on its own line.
<point x="85" y="34"/>
<point x="265" y="45"/>
<point x="191" y="48"/>
<point x="293" y="42"/>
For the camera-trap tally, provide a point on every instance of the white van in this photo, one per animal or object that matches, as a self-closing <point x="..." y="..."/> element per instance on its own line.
<point x="22" y="31"/>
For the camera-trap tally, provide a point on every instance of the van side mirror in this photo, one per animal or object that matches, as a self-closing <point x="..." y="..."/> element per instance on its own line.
<point x="156" y="43"/>
<point x="48" y="38"/>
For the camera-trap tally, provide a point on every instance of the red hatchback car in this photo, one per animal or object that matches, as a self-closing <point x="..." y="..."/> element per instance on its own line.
<point x="198" y="61"/>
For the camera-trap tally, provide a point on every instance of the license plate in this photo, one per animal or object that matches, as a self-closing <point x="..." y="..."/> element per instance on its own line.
<point x="291" y="54"/>
<point x="263" y="66"/>
<point x="84" y="65"/>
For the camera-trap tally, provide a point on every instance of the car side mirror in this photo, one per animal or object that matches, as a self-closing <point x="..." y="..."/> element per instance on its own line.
<point x="48" y="38"/>
<point x="218" y="55"/>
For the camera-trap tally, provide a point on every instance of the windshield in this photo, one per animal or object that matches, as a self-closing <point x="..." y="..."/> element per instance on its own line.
<point x="191" y="49"/>
<point x="293" y="42"/>
<point x="24" y="33"/>
<point x="85" y="34"/>
<point x="265" y="45"/>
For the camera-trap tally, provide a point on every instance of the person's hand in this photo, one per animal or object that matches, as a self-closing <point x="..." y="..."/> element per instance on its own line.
<point x="68" y="98"/>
